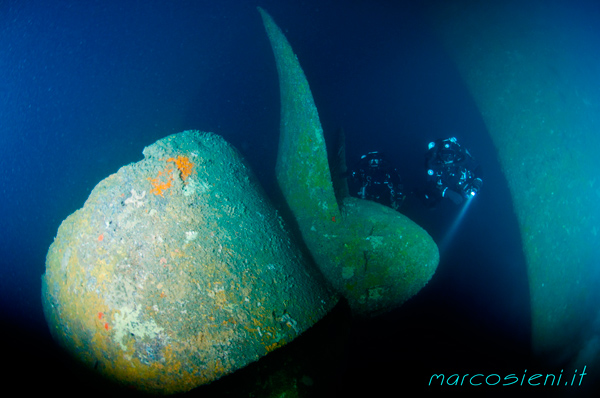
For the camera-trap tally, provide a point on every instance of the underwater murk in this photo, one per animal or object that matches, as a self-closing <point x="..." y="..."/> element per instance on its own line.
<point x="171" y="171"/>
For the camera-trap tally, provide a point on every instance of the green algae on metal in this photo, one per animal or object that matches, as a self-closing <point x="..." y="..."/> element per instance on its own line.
<point x="374" y="256"/>
<point x="302" y="169"/>
<point x="177" y="271"/>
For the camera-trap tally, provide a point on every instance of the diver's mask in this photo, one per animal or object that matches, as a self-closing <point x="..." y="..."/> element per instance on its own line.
<point x="447" y="156"/>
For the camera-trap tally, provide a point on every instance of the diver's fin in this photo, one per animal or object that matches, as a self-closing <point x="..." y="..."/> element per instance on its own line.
<point x="302" y="167"/>
<point x="339" y="169"/>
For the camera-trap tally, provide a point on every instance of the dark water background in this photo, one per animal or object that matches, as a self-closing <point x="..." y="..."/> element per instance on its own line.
<point x="85" y="85"/>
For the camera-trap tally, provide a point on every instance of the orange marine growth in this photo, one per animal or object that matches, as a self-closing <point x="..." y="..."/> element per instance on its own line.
<point x="159" y="184"/>
<point x="164" y="179"/>
<point x="184" y="165"/>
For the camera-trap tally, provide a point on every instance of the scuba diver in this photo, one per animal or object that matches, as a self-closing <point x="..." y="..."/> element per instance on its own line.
<point x="374" y="178"/>
<point x="451" y="172"/>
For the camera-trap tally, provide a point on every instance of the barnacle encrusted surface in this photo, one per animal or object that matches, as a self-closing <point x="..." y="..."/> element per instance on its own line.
<point x="177" y="270"/>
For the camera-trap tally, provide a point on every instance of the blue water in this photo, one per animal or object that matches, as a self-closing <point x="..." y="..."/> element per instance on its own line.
<point x="86" y="85"/>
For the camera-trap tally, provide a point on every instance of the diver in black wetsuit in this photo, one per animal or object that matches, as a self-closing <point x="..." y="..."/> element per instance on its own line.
<point x="451" y="172"/>
<point x="374" y="178"/>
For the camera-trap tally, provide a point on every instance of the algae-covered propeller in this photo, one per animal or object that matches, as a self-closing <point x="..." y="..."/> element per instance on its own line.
<point x="376" y="257"/>
<point x="178" y="271"/>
